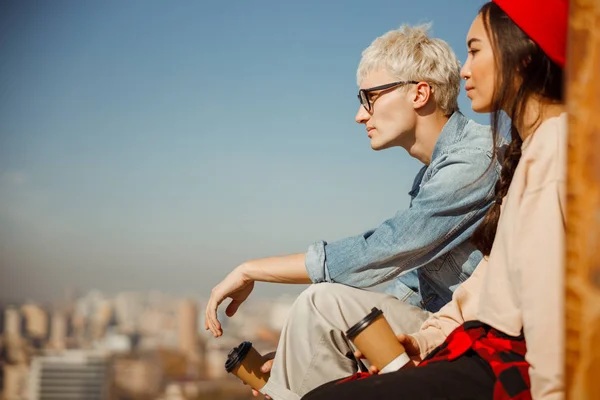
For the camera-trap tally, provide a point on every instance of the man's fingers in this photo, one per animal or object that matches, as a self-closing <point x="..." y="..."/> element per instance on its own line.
<point x="358" y="354"/>
<point x="232" y="308"/>
<point x="216" y="327"/>
<point x="211" y="317"/>
<point x="208" y="318"/>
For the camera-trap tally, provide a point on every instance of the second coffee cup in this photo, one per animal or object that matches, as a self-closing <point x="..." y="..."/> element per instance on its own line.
<point x="245" y="362"/>
<point x="376" y="340"/>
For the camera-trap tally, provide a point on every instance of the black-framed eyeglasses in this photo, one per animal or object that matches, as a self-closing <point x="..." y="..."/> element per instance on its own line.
<point x="363" y="94"/>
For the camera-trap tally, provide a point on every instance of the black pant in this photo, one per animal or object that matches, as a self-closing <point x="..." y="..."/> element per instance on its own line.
<point x="467" y="378"/>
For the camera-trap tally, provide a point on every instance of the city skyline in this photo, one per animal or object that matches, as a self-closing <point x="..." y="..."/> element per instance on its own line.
<point x="130" y="345"/>
<point x="146" y="146"/>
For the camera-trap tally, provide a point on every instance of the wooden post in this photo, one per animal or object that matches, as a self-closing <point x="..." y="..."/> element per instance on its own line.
<point x="583" y="208"/>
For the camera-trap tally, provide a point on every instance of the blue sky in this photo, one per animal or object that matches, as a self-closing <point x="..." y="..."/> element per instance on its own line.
<point x="157" y="145"/>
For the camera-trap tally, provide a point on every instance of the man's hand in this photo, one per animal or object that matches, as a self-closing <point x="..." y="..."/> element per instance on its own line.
<point x="266" y="367"/>
<point x="239" y="284"/>
<point x="236" y="286"/>
<point x="410" y="345"/>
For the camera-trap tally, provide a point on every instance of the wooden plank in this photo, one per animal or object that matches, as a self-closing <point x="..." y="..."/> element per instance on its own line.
<point x="583" y="207"/>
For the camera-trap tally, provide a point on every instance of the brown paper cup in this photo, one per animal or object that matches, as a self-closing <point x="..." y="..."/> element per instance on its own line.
<point x="376" y="340"/>
<point x="245" y="362"/>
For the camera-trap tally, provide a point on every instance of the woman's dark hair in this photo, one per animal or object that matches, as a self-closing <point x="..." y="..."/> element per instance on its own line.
<point x="523" y="70"/>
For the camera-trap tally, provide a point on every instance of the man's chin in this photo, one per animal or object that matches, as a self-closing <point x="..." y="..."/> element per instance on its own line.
<point x="378" y="146"/>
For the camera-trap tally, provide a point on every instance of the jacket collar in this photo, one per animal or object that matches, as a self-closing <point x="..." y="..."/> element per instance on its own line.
<point x="452" y="132"/>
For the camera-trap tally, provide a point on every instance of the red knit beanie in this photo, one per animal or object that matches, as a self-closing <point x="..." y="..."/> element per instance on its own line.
<point x="544" y="21"/>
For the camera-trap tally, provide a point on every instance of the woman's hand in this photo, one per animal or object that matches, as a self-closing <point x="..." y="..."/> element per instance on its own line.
<point x="266" y="367"/>
<point x="410" y="345"/>
<point x="236" y="286"/>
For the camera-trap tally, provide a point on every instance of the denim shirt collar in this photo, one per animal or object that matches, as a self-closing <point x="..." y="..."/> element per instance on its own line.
<point x="452" y="132"/>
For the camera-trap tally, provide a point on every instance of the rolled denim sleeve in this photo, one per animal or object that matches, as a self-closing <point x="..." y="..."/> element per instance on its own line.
<point x="444" y="213"/>
<point x="315" y="262"/>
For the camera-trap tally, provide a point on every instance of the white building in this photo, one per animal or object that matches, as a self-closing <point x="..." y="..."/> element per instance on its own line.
<point x="70" y="375"/>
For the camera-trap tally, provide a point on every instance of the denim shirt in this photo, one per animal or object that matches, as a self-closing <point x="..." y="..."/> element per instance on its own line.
<point x="424" y="249"/>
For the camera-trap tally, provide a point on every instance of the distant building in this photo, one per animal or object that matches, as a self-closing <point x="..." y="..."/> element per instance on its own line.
<point x="137" y="377"/>
<point x="187" y="326"/>
<point x="128" y="307"/>
<point x="114" y="342"/>
<point x="74" y="375"/>
<point x="174" y="391"/>
<point x="12" y="322"/>
<point x="58" y="331"/>
<point x="36" y="321"/>
<point x="152" y="322"/>
<point x="216" y="355"/>
<point x="15" y="382"/>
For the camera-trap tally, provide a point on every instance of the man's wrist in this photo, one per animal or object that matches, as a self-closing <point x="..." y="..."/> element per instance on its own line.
<point x="246" y="271"/>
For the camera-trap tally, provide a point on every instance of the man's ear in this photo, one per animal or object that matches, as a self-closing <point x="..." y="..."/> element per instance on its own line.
<point x="422" y="94"/>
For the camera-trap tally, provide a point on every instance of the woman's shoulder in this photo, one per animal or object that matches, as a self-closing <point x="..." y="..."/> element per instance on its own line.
<point x="544" y="153"/>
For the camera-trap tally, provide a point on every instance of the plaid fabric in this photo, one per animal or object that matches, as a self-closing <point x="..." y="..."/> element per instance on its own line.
<point x="504" y="354"/>
<point x="357" y="376"/>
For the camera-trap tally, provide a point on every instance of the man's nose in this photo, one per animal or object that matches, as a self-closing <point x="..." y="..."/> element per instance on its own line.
<point x="362" y="116"/>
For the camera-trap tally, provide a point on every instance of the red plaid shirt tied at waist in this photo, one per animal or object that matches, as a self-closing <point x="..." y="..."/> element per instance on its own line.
<point x="503" y="353"/>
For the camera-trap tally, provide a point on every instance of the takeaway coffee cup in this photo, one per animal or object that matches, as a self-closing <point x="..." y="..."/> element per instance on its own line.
<point x="375" y="339"/>
<point x="245" y="362"/>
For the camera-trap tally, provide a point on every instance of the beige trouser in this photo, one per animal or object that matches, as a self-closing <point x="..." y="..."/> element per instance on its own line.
<point x="312" y="348"/>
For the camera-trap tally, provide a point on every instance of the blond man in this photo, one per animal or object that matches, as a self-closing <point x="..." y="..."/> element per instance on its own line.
<point x="408" y="88"/>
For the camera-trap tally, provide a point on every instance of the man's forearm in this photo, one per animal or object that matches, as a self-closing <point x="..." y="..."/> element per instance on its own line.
<point x="284" y="269"/>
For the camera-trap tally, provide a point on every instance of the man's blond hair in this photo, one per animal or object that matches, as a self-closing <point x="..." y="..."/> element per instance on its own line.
<point x="408" y="53"/>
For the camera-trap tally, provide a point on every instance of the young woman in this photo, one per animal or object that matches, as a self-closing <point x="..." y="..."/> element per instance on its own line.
<point x="501" y="336"/>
